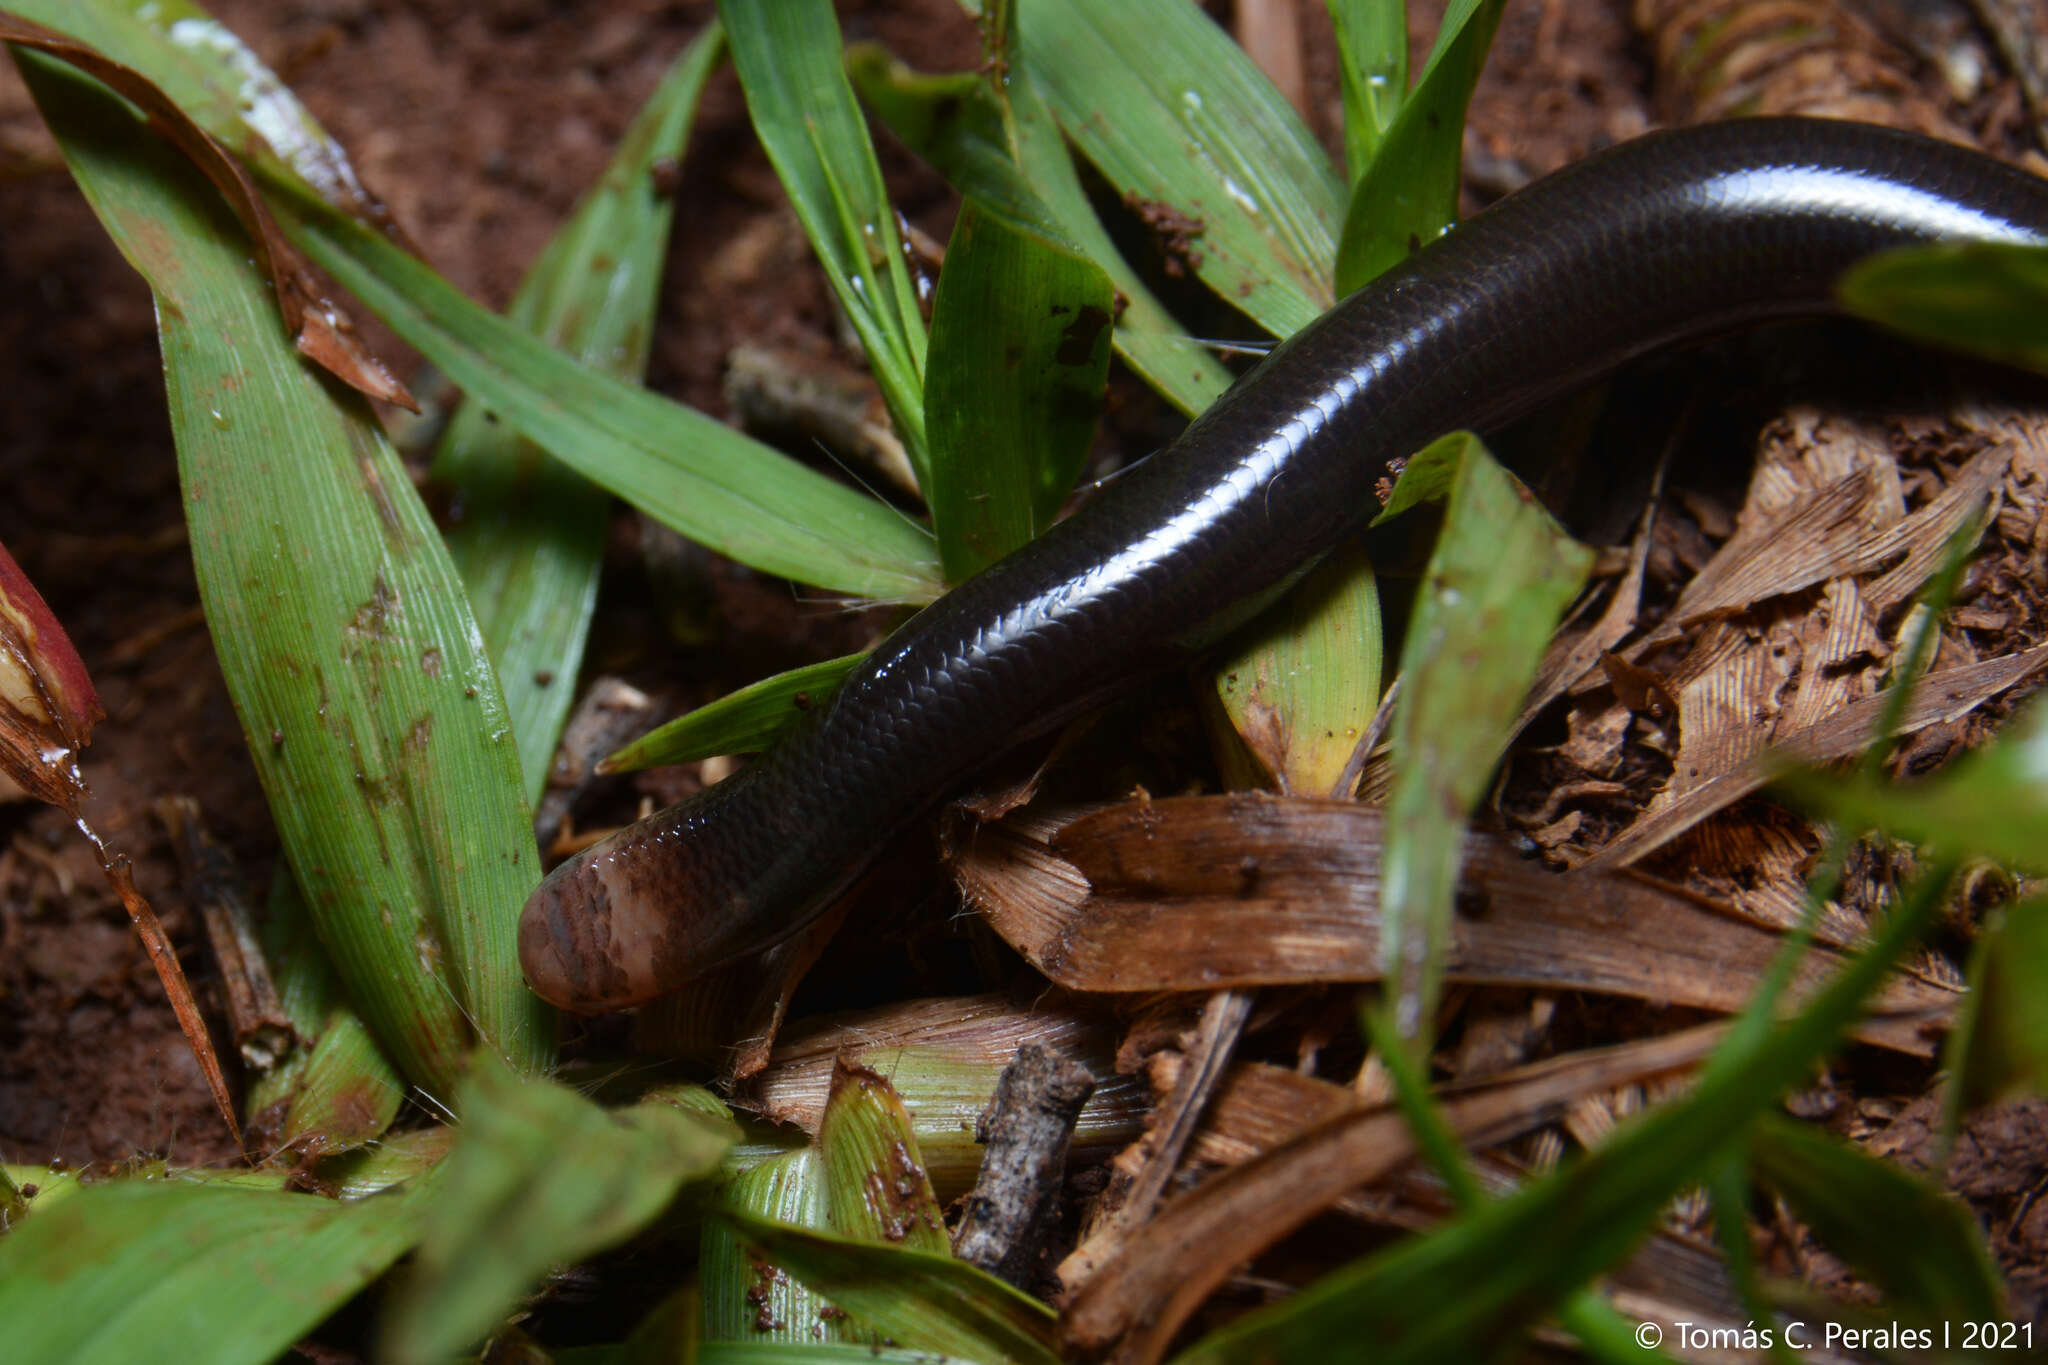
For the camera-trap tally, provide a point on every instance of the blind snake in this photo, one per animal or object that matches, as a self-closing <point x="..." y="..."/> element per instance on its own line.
<point x="1670" y="237"/>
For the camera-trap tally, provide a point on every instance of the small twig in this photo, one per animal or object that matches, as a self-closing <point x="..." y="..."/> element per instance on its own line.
<point x="1027" y="1129"/>
<point x="262" y="1031"/>
<point x="1223" y="1021"/>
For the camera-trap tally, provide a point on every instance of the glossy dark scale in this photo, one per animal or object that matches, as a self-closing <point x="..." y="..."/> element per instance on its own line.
<point x="1671" y="237"/>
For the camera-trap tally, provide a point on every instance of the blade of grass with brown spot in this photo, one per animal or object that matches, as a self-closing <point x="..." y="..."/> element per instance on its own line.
<point x="751" y="1299"/>
<point x="875" y="1178"/>
<point x="373" y="716"/>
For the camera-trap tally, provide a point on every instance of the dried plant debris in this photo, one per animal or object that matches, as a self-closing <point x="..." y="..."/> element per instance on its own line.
<point x="1027" y="1131"/>
<point x="1170" y="1265"/>
<point x="1721" y="59"/>
<point x="944" y="1057"/>
<point x="1203" y="892"/>
<point x="1787" y="633"/>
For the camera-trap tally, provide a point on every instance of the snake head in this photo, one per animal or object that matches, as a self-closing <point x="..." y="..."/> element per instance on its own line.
<point x="628" y="919"/>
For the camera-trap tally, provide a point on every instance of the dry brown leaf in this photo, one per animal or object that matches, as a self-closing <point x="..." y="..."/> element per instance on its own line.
<point x="1201" y="893"/>
<point x="1943" y="696"/>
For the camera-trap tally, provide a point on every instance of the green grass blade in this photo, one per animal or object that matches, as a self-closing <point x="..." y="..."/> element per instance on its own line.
<point x="1301" y="685"/>
<point x="788" y="58"/>
<point x="733" y="494"/>
<point x="1470" y="1290"/>
<point x="1002" y="146"/>
<point x="1982" y="297"/>
<point x="1409" y="193"/>
<point x="1999" y="1048"/>
<point x="743" y="722"/>
<point x="1498" y="581"/>
<point x="1858" y="1204"/>
<point x="161" y="1270"/>
<point x="875" y="1178"/>
<point x="1175" y="115"/>
<point x="371" y="711"/>
<point x="917" y="1299"/>
<point x="1372" y="62"/>
<point x="747" y="1299"/>
<point x="531" y="537"/>
<point x="539" y="1177"/>
<point x="1602" y="1332"/>
<point x="1019" y="360"/>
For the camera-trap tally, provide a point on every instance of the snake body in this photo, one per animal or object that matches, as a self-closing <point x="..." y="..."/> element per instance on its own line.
<point x="1667" y="238"/>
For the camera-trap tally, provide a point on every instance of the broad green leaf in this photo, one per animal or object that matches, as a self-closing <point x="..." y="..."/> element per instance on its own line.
<point x="743" y="722"/>
<point x="788" y="58"/>
<point x="874" y="1176"/>
<point x="1302" y="683"/>
<point x="1980" y="296"/>
<point x="1019" y="358"/>
<point x="168" y="1270"/>
<point x="530" y="538"/>
<point x="934" y="1303"/>
<point x="1999" y="1049"/>
<point x="539" y="1177"/>
<point x="1498" y="581"/>
<point x="371" y="711"/>
<point x="1372" y="62"/>
<point x="1473" y="1288"/>
<point x="720" y="488"/>
<point x="1408" y="195"/>
<point x="1858" y="1204"/>
<point x="998" y="143"/>
<point x="752" y="1300"/>
<point x="1191" y="133"/>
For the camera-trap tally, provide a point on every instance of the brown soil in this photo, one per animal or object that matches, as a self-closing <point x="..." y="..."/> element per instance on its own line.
<point x="479" y="124"/>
